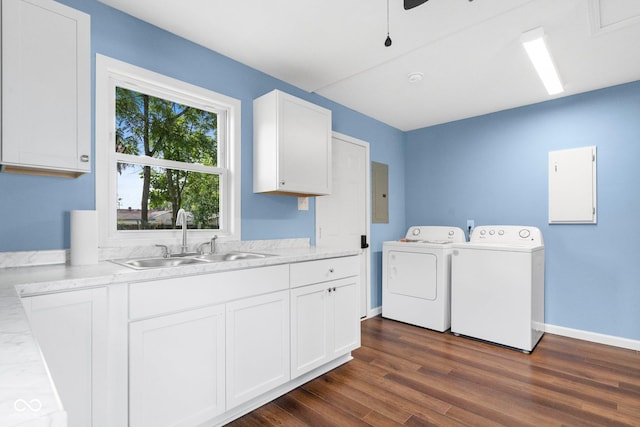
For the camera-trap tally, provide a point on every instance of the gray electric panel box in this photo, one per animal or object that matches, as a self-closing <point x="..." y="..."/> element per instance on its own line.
<point x="380" y="190"/>
<point x="572" y="186"/>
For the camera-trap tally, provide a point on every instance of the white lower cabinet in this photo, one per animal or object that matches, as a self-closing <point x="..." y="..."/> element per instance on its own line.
<point x="177" y="368"/>
<point x="257" y="346"/>
<point x="325" y="319"/>
<point x="71" y="329"/>
<point x="196" y="350"/>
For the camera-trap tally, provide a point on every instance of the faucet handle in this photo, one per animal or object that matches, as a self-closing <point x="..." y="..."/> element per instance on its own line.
<point x="211" y="243"/>
<point x="165" y="250"/>
<point x="201" y="247"/>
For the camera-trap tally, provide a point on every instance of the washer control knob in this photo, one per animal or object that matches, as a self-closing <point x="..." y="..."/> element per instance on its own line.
<point x="451" y="232"/>
<point x="501" y="232"/>
<point x="483" y="232"/>
<point x="524" y="233"/>
<point x="492" y="232"/>
<point x="416" y="231"/>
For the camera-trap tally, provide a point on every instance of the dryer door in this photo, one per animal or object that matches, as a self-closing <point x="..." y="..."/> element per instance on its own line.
<point x="413" y="274"/>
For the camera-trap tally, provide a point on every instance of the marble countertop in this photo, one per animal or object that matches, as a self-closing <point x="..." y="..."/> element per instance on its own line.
<point x="27" y="394"/>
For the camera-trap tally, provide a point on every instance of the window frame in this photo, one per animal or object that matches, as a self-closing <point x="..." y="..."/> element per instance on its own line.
<point x="111" y="73"/>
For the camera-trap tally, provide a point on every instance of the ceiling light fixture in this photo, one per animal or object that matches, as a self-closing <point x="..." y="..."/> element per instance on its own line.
<point x="415" y="77"/>
<point x="536" y="47"/>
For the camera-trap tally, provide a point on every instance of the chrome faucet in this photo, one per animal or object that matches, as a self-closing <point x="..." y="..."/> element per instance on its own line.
<point x="212" y="245"/>
<point x="181" y="219"/>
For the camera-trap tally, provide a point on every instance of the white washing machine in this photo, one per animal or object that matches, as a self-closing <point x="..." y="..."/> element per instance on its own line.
<point x="416" y="276"/>
<point x="497" y="286"/>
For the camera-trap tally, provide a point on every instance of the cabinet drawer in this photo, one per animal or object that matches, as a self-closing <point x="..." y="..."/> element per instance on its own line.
<point x="148" y="299"/>
<point x="305" y="273"/>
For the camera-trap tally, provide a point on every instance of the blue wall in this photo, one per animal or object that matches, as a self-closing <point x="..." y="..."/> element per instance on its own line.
<point x="493" y="169"/>
<point x="35" y="214"/>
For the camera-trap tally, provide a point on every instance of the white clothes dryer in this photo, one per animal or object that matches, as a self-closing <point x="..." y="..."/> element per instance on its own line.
<point x="497" y="286"/>
<point x="416" y="276"/>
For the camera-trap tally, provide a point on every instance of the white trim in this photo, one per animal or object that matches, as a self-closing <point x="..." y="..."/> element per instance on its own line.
<point x="170" y="164"/>
<point x="373" y="312"/>
<point x="108" y="71"/>
<point x="569" y="333"/>
<point x="593" y="337"/>
<point x="597" y="27"/>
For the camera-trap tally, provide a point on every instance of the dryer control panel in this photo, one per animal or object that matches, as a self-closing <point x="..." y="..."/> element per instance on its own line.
<point x="435" y="234"/>
<point x="507" y="234"/>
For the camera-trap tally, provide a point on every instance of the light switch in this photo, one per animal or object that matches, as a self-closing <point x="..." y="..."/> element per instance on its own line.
<point x="303" y="203"/>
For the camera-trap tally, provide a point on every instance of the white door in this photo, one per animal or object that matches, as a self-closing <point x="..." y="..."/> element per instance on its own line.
<point x="310" y="311"/>
<point x="257" y="346"/>
<point x="343" y="216"/>
<point x="413" y="274"/>
<point x="345" y="324"/>
<point x="177" y="368"/>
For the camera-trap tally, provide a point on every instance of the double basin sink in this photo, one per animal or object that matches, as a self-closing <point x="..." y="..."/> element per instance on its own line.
<point x="145" y="263"/>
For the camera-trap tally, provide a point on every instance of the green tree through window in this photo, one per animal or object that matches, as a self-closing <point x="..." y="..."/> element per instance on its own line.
<point x="179" y="136"/>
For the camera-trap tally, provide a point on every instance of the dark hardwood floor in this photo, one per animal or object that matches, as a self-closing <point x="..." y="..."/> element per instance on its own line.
<point x="404" y="375"/>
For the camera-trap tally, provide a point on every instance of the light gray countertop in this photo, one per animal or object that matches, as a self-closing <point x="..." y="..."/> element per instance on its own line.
<point x="27" y="394"/>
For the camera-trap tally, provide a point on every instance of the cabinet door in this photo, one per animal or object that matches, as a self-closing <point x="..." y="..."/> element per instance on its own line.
<point x="305" y="147"/>
<point x="346" y="316"/>
<point x="45" y="86"/>
<point x="176" y="368"/>
<point x="71" y="331"/>
<point x="257" y="346"/>
<point x="310" y="317"/>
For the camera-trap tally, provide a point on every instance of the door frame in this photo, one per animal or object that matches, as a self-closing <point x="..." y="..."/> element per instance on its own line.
<point x="367" y="257"/>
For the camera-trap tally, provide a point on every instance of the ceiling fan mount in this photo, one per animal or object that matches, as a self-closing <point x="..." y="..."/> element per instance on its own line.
<point x="410" y="4"/>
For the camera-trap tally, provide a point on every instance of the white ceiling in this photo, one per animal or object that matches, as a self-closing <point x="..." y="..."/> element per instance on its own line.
<point x="469" y="51"/>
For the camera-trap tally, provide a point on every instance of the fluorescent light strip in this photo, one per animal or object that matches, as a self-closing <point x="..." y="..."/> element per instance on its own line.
<point x="534" y="43"/>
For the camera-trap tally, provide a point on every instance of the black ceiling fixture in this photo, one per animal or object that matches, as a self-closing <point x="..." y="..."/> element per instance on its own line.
<point x="410" y="4"/>
<point x="387" y="42"/>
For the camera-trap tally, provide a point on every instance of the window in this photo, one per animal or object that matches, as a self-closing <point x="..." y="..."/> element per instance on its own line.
<point x="163" y="145"/>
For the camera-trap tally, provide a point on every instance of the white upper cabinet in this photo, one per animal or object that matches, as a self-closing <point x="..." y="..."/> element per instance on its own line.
<point x="46" y="66"/>
<point x="291" y="146"/>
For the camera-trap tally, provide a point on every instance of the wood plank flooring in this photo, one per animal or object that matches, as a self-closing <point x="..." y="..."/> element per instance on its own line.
<point x="404" y="375"/>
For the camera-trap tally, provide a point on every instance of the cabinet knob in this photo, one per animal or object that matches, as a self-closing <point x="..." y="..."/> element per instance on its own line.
<point x="281" y="182"/>
<point x="331" y="270"/>
<point x="84" y="158"/>
<point x="329" y="290"/>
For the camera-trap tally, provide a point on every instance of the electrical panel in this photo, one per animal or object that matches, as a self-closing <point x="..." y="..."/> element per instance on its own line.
<point x="380" y="190"/>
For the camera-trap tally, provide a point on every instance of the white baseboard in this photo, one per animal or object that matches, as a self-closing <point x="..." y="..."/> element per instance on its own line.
<point x="373" y="312"/>
<point x="570" y="333"/>
<point x="593" y="337"/>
